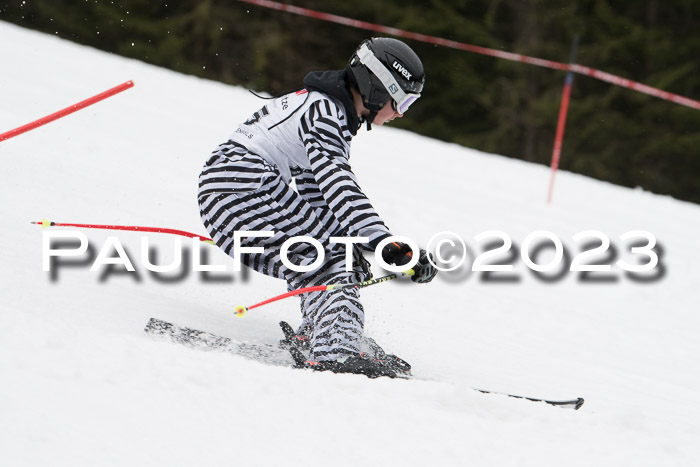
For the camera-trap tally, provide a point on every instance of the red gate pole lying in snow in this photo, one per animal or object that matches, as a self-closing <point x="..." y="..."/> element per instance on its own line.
<point x="66" y="111"/>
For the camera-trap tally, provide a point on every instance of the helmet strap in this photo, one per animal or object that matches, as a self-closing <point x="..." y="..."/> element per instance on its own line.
<point x="370" y="118"/>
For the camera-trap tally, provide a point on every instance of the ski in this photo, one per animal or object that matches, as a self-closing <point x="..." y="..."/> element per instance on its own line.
<point x="574" y="404"/>
<point x="264" y="353"/>
<point x="289" y="355"/>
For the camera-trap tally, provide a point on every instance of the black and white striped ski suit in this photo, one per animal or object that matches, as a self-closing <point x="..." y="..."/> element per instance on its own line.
<point x="246" y="185"/>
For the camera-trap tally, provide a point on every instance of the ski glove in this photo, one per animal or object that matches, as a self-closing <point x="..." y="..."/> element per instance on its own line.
<point x="398" y="253"/>
<point x="424" y="271"/>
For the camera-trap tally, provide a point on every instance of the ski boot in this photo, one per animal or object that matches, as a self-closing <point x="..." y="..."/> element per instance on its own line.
<point x="370" y="349"/>
<point x="356" y="364"/>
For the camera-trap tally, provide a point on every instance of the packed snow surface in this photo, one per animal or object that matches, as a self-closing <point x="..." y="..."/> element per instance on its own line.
<point x="82" y="384"/>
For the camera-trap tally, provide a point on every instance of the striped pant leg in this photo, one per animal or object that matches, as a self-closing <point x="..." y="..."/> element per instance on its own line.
<point x="334" y="313"/>
<point x="336" y="317"/>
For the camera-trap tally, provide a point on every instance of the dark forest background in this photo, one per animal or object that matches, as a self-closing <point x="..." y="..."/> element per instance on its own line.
<point x="508" y="108"/>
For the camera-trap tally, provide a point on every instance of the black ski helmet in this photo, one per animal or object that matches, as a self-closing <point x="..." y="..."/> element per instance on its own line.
<point x="376" y="86"/>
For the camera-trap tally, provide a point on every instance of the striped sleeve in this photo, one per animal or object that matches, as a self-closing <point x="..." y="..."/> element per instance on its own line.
<point x="323" y="131"/>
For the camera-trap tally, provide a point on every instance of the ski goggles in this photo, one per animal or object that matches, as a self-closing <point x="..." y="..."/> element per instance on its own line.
<point x="400" y="100"/>
<point x="402" y="107"/>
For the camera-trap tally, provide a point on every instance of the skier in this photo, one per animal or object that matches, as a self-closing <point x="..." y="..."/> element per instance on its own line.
<point x="304" y="136"/>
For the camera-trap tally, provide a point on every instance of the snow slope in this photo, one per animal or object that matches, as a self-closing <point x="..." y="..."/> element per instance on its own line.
<point x="82" y="384"/>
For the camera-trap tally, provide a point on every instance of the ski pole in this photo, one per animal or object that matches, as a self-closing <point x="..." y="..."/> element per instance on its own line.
<point x="241" y="310"/>
<point x="46" y="223"/>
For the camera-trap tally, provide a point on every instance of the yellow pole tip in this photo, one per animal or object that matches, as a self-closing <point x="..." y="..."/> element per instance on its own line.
<point x="45" y="223"/>
<point x="240" y="311"/>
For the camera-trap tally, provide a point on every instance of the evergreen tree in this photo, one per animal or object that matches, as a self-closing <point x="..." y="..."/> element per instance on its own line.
<point x="498" y="106"/>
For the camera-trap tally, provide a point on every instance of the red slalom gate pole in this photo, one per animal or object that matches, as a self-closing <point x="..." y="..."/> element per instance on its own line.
<point x="133" y="228"/>
<point x="66" y="111"/>
<point x="561" y="124"/>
